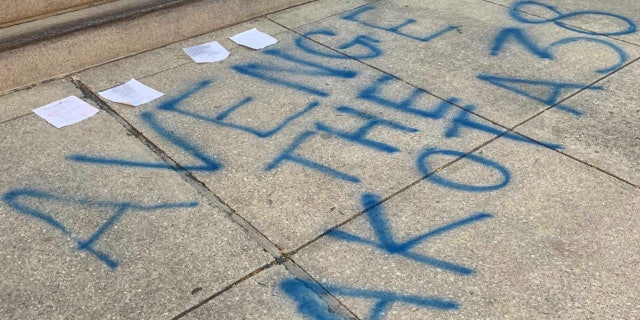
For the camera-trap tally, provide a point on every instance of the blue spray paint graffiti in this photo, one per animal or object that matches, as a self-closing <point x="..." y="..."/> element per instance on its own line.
<point x="221" y="118"/>
<point x="356" y="14"/>
<point x="360" y="135"/>
<point x="550" y="100"/>
<point x="289" y="155"/>
<point x="268" y="71"/>
<point x="519" y="35"/>
<point x="305" y="293"/>
<point x="462" y="119"/>
<point x="518" y="13"/>
<point x="518" y="10"/>
<point x="385" y="240"/>
<point x="209" y="164"/>
<point x="373" y="93"/>
<point x="362" y="41"/>
<point x="425" y="169"/>
<point x="18" y="200"/>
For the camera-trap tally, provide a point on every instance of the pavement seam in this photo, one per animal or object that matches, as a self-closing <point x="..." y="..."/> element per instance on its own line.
<point x="223" y="290"/>
<point x="33" y="85"/>
<point x="15" y="118"/>
<point x="571" y="25"/>
<point x="334" y="304"/>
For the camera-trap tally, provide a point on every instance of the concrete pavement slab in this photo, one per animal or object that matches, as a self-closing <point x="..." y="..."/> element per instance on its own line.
<point x="555" y="241"/>
<point x="87" y="242"/>
<point x="474" y="51"/>
<point x="607" y="135"/>
<point x="617" y="19"/>
<point x="285" y="139"/>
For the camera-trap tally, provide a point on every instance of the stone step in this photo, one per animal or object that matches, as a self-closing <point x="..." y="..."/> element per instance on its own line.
<point x="62" y="44"/>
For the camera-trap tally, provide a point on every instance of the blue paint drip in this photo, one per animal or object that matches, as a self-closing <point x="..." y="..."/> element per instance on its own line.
<point x="359" y="41"/>
<point x="305" y="293"/>
<point x="373" y="94"/>
<point x="385" y="240"/>
<point x="553" y="98"/>
<point x="13" y="200"/>
<point x="355" y="17"/>
<point x="267" y="72"/>
<point x="463" y="119"/>
<point x="425" y="169"/>
<point x="519" y="35"/>
<point x="517" y="13"/>
<point x="360" y="135"/>
<point x="208" y="163"/>
<point x="289" y="155"/>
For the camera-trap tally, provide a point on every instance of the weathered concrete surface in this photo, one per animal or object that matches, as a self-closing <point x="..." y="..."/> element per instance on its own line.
<point x="147" y="262"/>
<point x="536" y="257"/>
<point x="404" y="207"/>
<point x="274" y="199"/>
<point x="607" y="135"/>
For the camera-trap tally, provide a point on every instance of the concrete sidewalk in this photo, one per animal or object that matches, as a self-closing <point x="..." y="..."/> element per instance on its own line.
<point x="391" y="159"/>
